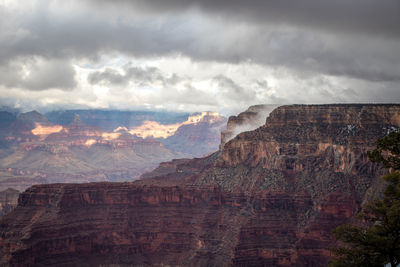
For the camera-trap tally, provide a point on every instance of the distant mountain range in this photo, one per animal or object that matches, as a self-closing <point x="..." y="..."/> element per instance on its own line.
<point x="96" y="145"/>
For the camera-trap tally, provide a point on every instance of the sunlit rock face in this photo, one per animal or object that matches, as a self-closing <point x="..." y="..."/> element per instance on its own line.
<point x="157" y="130"/>
<point x="154" y="129"/>
<point x="44" y="131"/>
<point x="270" y="197"/>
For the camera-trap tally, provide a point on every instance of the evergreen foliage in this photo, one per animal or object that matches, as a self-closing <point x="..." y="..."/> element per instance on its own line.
<point x="377" y="243"/>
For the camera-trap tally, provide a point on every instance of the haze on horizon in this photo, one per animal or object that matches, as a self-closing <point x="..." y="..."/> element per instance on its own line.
<point x="197" y="55"/>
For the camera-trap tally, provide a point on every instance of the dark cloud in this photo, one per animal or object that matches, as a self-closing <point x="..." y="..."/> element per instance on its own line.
<point x="232" y="91"/>
<point x="318" y="51"/>
<point x="377" y="17"/>
<point x="142" y="76"/>
<point x="215" y="38"/>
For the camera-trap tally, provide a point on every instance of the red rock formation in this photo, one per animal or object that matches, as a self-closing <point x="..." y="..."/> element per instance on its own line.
<point x="135" y="224"/>
<point x="270" y="197"/>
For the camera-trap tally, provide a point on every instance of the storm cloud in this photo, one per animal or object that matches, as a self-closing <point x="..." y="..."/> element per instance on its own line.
<point x="367" y="16"/>
<point x="229" y="53"/>
<point x="142" y="76"/>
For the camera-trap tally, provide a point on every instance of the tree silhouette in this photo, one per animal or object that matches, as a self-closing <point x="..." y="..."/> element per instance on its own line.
<point x="377" y="242"/>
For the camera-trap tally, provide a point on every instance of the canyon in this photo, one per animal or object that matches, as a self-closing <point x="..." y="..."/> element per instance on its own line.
<point x="268" y="197"/>
<point x="35" y="150"/>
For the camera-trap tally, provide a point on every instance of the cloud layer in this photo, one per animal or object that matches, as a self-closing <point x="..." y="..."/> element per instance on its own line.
<point x="366" y="16"/>
<point x="196" y="54"/>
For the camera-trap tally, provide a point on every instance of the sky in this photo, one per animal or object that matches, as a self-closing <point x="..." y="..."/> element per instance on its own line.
<point x="197" y="55"/>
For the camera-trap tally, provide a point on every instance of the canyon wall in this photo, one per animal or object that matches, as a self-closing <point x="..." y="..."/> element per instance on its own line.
<point x="269" y="197"/>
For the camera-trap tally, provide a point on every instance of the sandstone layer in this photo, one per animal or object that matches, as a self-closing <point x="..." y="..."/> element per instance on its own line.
<point x="270" y="197"/>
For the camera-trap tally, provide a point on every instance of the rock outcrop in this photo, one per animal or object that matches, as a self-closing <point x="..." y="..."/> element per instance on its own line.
<point x="270" y="197"/>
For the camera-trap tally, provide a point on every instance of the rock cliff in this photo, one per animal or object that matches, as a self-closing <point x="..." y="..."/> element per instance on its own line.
<point x="269" y="197"/>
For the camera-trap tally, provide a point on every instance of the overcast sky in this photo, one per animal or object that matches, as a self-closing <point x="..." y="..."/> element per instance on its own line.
<point x="196" y="55"/>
